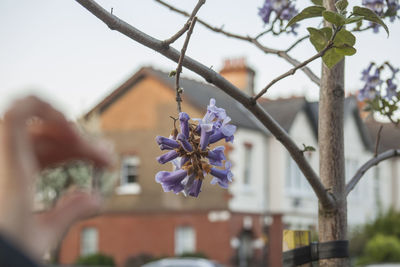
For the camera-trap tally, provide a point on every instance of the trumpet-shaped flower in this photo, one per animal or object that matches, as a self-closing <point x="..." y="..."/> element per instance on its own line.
<point x="191" y="155"/>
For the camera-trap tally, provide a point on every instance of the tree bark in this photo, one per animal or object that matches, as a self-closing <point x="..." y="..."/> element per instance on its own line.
<point x="332" y="224"/>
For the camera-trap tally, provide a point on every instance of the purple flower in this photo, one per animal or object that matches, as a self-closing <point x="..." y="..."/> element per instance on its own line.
<point x="216" y="156"/>
<point x="284" y="10"/>
<point x="383" y="8"/>
<point x="223" y="130"/>
<point x="184" y="118"/>
<point x="391" y="90"/>
<point x="372" y="84"/>
<point x="206" y="131"/>
<point x="191" y="155"/>
<point x="171" y="181"/>
<point x="185" y="143"/>
<point x="166" y="143"/>
<point x="167" y="157"/>
<point x="222" y="177"/>
<point x="195" y="189"/>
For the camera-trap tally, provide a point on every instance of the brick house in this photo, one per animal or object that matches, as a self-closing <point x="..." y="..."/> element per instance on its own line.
<point x="140" y="217"/>
<point x="240" y="226"/>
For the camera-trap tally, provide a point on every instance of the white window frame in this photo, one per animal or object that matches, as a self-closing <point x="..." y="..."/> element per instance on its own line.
<point x="185" y="239"/>
<point x="248" y="155"/>
<point x="296" y="183"/>
<point x="89" y="241"/>
<point x="125" y="187"/>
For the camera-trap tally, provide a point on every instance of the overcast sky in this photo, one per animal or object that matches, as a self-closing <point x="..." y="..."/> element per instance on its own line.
<point x="56" y="49"/>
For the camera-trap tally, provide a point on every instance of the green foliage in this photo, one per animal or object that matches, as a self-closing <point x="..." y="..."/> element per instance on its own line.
<point x="97" y="259"/>
<point x="193" y="255"/>
<point x="345" y="50"/>
<point x="139" y="260"/>
<point x="377" y="241"/>
<point x="318" y="38"/>
<point x="172" y="73"/>
<point x="381" y="249"/>
<point x="354" y="19"/>
<point x="317" y="2"/>
<point x="341" y="5"/>
<point x="334" y="18"/>
<point x="370" y="15"/>
<point x="308" y="12"/>
<point x="308" y="148"/>
<point x="342" y="46"/>
<point x="53" y="182"/>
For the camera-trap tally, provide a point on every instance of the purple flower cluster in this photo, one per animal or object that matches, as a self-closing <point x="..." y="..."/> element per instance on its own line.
<point x="191" y="155"/>
<point x="283" y="9"/>
<point x="383" y="8"/>
<point x="374" y="84"/>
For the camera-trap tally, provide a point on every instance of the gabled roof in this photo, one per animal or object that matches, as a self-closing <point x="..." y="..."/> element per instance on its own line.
<point x="195" y="92"/>
<point x="284" y="111"/>
<point x="389" y="136"/>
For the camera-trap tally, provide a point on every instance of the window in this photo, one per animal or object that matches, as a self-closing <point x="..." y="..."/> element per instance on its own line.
<point x="129" y="175"/>
<point x="296" y="183"/>
<point x="248" y="158"/>
<point x="185" y="240"/>
<point x="350" y="169"/>
<point x="89" y="241"/>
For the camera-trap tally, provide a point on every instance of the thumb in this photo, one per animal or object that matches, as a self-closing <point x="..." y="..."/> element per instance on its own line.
<point x="53" y="225"/>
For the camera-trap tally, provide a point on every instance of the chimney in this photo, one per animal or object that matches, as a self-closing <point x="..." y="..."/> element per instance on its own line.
<point x="238" y="73"/>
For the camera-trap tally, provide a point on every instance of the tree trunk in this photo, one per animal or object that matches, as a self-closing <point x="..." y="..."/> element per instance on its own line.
<point x="332" y="224"/>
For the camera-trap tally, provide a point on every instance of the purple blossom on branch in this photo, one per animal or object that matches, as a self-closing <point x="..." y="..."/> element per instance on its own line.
<point x="190" y="152"/>
<point x="383" y="8"/>
<point x="375" y="85"/>
<point x="284" y="10"/>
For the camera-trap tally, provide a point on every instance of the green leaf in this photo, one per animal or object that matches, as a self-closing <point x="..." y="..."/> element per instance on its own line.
<point x="353" y="19"/>
<point x="333" y="18"/>
<point x="370" y="15"/>
<point x="308" y="148"/>
<point x="331" y="58"/>
<point x="172" y="73"/>
<point x="344" y="37"/>
<point x="341" y="4"/>
<point x="317" y="38"/>
<point x="308" y="12"/>
<point x="345" y="50"/>
<point x="317" y="2"/>
<point x="327" y="32"/>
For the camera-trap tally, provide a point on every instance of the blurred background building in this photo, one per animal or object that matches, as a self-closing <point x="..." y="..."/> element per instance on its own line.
<point x="241" y="226"/>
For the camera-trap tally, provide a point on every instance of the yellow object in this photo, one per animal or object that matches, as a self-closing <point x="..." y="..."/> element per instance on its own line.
<point x="294" y="239"/>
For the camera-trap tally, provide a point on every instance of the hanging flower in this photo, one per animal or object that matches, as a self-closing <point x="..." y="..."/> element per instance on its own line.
<point x="191" y="155"/>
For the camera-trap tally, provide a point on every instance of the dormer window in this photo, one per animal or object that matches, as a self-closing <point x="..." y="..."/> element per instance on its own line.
<point x="129" y="175"/>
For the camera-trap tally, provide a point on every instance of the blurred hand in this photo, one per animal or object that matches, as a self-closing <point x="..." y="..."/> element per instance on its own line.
<point x="34" y="136"/>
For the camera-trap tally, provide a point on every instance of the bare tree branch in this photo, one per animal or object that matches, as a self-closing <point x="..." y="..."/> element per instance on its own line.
<point x="296" y="43"/>
<point x="180" y="62"/>
<point x="378" y="138"/>
<point x="291" y="71"/>
<point x="370" y="163"/>
<point x="289" y="59"/>
<point x="187" y="24"/>
<point x="211" y="76"/>
<point x="281" y="53"/>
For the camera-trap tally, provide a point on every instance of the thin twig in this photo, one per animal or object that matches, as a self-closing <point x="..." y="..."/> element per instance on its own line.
<point x="180" y="62"/>
<point x="187" y="24"/>
<point x="296" y="43"/>
<point x="281" y="53"/>
<point x="378" y="137"/>
<point x="326" y="198"/>
<point x="291" y="71"/>
<point x="370" y="163"/>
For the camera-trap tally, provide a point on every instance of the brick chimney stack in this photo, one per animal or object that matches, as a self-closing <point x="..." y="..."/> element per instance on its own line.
<point x="238" y="73"/>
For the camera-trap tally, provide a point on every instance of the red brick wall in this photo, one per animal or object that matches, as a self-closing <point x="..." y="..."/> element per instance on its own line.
<point x="124" y="235"/>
